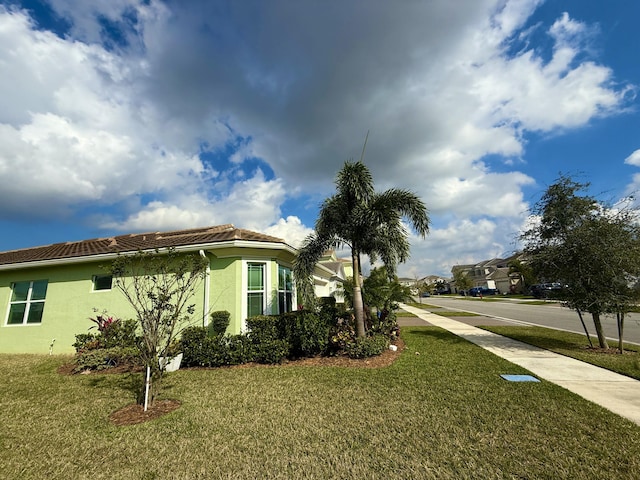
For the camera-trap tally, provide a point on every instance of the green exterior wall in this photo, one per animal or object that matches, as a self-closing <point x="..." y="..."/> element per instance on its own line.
<point x="70" y="299"/>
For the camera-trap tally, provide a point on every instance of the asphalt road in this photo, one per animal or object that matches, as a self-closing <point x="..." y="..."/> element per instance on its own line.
<point x="548" y="315"/>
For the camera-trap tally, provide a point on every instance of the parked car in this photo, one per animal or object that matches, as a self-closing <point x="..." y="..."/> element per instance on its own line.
<point x="482" y="291"/>
<point x="425" y="294"/>
<point x="546" y="290"/>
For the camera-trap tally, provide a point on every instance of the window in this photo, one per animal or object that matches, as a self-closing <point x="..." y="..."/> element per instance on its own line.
<point x="255" y="289"/>
<point x="285" y="289"/>
<point x="27" y="302"/>
<point x="102" y="282"/>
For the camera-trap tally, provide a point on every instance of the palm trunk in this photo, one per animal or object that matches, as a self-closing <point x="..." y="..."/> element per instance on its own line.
<point x="620" y="318"/>
<point x="358" y="304"/>
<point x="602" y="340"/>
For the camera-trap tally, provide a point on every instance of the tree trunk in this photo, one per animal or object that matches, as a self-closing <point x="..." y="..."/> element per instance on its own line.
<point x="602" y="340"/>
<point x="584" y="326"/>
<point x="358" y="304"/>
<point x="620" y="318"/>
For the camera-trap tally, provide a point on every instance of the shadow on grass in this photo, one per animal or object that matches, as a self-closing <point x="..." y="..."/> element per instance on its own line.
<point x="539" y="339"/>
<point x="132" y="382"/>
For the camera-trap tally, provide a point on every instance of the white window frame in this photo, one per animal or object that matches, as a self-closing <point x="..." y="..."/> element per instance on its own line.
<point x="292" y="291"/>
<point x="266" y="298"/>
<point x="28" y="302"/>
<point x="93" y="284"/>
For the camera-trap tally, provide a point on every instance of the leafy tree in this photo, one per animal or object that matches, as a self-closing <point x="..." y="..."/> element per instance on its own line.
<point x="525" y="271"/>
<point x="590" y="248"/>
<point x="461" y="280"/>
<point x="421" y="287"/>
<point x="368" y="223"/>
<point x="383" y="293"/>
<point x="159" y="286"/>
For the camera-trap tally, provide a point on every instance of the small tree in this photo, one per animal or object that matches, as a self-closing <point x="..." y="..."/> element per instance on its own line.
<point x="384" y="293"/>
<point x="524" y="270"/>
<point x="461" y="281"/>
<point x="591" y="248"/>
<point x="159" y="286"/>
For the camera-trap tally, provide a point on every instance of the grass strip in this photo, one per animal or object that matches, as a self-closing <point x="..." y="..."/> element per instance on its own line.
<point x="441" y="411"/>
<point x="455" y="313"/>
<point x="424" y="306"/>
<point x="576" y="346"/>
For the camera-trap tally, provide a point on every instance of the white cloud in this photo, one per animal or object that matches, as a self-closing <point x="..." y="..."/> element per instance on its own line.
<point x="633" y="159"/>
<point x="291" y="229"/>
<point x="437" y="83"/>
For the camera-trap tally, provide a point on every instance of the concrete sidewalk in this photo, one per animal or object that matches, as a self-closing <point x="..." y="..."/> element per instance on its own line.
<point x="615" y="392"/>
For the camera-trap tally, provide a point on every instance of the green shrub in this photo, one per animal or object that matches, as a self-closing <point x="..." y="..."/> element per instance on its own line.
<point x="270" y="351"/>
<point x="120" y="333"/>
<point x="202" y="350"/>
<point x="102" y="358"/>
<point x="306" y="332"/>
<point x="86" y="341"/>
<point x="268" y="346"/>
<point x="367" y="346"/>
<point x="195" y="342"/>
<point x="219" y="322"/>
<point x="387" y="326"/>
<point x="240" y="350"/>
<point x="115" y="333"/>
<point x="341" y="334"/>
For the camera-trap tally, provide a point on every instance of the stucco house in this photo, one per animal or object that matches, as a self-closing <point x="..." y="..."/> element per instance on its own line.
<point x="493" y="273"/>
<point x="48" y="293"/>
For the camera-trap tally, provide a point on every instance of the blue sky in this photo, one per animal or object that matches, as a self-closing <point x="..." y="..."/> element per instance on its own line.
<point x="148" y="115"/>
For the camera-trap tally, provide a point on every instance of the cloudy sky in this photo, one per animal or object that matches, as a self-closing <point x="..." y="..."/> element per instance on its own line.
<point x="149" y="115"/>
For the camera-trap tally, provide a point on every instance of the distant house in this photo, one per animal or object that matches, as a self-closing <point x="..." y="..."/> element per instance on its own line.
<point x="440" y="284"/>
<point x="329" y="276"/>
<point x="493" y="273"/>
<point x="47" y="293"/>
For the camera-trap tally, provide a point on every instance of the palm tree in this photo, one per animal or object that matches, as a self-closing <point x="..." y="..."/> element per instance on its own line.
<point x="368" y="223"/>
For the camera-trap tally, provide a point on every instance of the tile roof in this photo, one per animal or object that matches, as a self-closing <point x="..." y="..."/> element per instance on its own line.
<point x="134" y="242"/>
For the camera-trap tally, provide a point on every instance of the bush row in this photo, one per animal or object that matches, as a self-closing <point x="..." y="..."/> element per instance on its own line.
<point x="274" y="338"/>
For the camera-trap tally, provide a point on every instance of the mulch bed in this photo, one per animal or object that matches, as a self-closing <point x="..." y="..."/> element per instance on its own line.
<point x="134" y="414"/>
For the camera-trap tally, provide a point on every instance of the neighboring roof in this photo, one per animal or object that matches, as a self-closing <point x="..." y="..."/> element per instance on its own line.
<point x="134" y="242"/>
<point x="337" y="268"/>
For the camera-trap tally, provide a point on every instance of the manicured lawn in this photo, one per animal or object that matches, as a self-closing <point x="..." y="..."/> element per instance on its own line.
<point x="575" y="345"/>
<point x="441" y="312"/>
<point x="457" y="313"/>
<point x="440" y="412"/>
<point x="424" y="306"/>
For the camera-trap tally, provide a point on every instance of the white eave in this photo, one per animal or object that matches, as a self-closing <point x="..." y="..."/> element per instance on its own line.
<point x="184" y="248"/>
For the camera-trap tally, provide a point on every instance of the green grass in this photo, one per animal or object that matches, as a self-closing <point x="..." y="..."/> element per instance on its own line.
<point x="424" y="306"/>
<point x="458" y="314"/>
<point x="575" y="345"/>
<point x="441" y="411"/>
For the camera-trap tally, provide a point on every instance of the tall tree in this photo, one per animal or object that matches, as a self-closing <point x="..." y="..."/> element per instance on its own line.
<point x="368" y="223"/>
<point x="589" y="247"/>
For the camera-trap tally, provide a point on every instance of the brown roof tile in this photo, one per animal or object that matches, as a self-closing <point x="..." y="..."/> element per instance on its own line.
<point x="134" y="242"/>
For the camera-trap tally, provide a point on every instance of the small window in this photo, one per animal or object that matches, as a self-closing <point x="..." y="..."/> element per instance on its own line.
<point x="27" y="302"/>
<point x="102" y="282"/>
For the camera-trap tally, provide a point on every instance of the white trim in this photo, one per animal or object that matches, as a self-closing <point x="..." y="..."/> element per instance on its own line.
<point x="207" y="287"/>
<point x="28" y="302"/>
<point x="267" y="305"/>
<point x="102" y="290"/>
